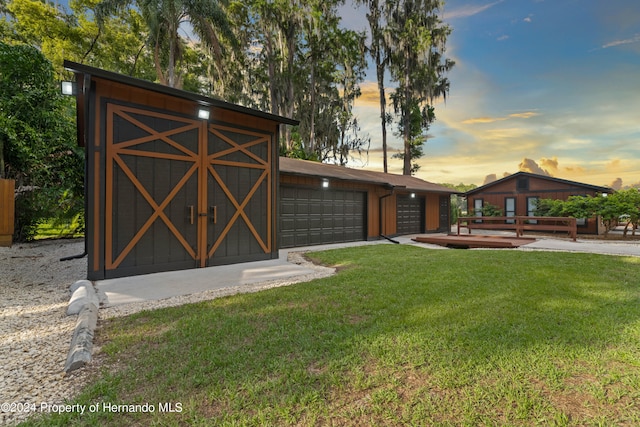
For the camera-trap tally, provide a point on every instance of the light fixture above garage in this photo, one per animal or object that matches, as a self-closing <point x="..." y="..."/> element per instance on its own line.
<point x="203" y="114"/>
<point x="413" y="195"/>
<point x="325" y="183"/>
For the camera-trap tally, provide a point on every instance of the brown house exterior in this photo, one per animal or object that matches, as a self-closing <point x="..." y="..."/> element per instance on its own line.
<point x="322" y="203"/>
<point x="169" y="189"/>
<point x="516" y="194"/>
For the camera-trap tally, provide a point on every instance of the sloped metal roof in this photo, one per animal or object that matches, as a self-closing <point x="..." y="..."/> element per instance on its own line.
<point x="323" y="170"/>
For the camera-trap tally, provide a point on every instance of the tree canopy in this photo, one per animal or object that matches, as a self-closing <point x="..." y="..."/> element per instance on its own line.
<point x="621" y="206"/>
<point x="291" y="58"/>
<point x="37" y="139"/>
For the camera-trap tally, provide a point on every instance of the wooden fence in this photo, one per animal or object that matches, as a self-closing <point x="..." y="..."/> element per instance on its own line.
<point x="520" y="224"/>
<point x="7" y="211"/>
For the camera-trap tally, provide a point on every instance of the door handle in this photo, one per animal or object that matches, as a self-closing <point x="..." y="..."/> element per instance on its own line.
<point x="214" y="213"/>
<point x="191" y="214"/>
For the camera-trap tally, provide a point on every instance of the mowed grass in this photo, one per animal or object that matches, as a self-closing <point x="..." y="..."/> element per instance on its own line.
<point x="399" y="336"/>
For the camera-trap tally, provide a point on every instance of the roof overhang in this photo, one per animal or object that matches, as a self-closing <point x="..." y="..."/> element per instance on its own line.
<point x="545" y="177"/>
<point x="342" y="173"/>
<point x="169" y="91"/>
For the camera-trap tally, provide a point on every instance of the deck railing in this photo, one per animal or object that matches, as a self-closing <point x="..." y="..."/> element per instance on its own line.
<point x="520" y="224"/>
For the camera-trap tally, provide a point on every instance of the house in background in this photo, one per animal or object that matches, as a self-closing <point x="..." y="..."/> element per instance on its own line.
<point x="516" y="195"/>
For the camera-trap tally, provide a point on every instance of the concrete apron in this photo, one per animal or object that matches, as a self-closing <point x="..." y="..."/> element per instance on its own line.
<point x="158" y="286"/>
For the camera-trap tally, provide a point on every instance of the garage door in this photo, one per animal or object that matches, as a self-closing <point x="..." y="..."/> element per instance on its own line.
<point x="410" y="215"/>
<point x="310" y="216"/>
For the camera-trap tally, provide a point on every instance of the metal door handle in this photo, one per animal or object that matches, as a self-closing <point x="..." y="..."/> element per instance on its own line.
<point x="191" y="214"/>
<point x="214" y="212"/>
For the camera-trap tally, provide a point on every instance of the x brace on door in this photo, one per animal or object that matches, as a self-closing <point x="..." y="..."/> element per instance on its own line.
<point x="217" y="147"/>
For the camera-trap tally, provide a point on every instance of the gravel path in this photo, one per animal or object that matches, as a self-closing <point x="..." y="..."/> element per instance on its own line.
<point x="35" y="332"/>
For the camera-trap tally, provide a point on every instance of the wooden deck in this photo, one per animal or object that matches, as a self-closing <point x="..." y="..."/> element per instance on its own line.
<point x="470" y="242"/>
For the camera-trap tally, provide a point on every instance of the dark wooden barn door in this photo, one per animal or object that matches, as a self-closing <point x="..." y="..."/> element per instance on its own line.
<point x="238" y="196"/>
<point x="183" y="193"/>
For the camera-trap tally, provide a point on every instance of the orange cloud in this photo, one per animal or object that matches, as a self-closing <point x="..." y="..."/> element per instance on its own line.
<point x="482" y="120"/>
<point x="490" y="178"/>
<point x="616" y="184"/>
<point x="524" y="115"/>
<point x="529" y="165"/>
<point x="550" y="165"/>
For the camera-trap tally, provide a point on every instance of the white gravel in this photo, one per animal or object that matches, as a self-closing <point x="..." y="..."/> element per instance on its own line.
<point x="35" y="332"/>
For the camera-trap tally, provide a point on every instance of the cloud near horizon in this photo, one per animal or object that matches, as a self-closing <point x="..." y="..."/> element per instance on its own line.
<point x="468" y="10"/>
<point x="481" y="120"/>
<point x="634" y="39"/>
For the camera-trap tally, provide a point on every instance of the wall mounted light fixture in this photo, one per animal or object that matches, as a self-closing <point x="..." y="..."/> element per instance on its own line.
<point x="413" y="195"/>
<point x="68" y="88"/>
<point x="203" y="114"/>
<point x="325" y="183"/>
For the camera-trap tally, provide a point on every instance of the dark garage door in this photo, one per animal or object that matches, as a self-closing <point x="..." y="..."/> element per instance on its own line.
<point x="410" y="215"/>
<point x="310" y="216"/>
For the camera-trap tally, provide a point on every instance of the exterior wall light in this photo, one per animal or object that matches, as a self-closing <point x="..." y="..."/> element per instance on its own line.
<point x="413" y="195"/>
<point x="203" y="114"/>
<point x="68" y="88"/>
<point x="325" y="183"/>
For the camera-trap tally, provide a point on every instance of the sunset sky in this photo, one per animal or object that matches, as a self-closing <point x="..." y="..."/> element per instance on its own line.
<point x="546" y="86"/>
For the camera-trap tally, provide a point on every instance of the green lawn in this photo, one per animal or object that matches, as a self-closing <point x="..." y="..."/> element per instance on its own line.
<point x="400" y="336"/>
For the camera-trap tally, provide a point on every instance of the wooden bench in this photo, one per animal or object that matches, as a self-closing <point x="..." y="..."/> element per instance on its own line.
<point x="520" y="224"/>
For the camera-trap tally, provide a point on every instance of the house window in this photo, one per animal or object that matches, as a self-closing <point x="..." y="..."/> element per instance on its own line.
<point x="532" y="204"/>
<point x="522" y="184"/>
<point x="477" y="208"/>
<point x="510" y="208"/>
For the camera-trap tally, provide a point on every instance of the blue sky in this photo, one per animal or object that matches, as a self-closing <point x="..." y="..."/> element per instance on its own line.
<point x="547" y="86"/>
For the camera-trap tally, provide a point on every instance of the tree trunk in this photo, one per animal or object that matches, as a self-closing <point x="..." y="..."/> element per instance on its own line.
<point x="271" y="66"/>
<point x="312" y="124"/>
<point x="406" y="119"/>
<point x="156" y="57"/>
<point x="290" y="101"/>
<point x="172" y="62"/>
<point x="383" y="107"/>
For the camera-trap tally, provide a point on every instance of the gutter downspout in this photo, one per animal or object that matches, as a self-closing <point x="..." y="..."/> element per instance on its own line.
<point x="380" y="214"/>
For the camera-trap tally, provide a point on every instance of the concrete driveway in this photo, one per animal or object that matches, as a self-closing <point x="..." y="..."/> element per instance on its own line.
<point x="248" y="276"/>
